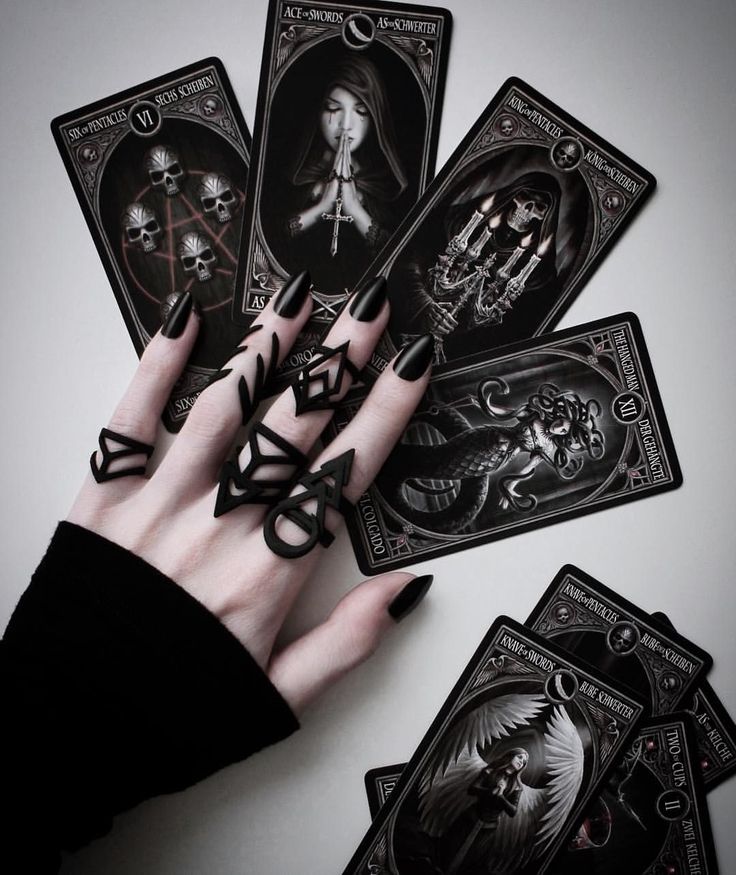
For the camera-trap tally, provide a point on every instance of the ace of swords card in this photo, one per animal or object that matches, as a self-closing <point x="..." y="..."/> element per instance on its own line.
<point x="345" y="140"/>
<point x="715" y="731"/>
<point x="541" y="431"/>
<point x="652" y="809"/>
<point x="618" y="638"/>
<point x="510" y="230"/>
<point x="507" y="767"/>
<point x="160" y="173"/>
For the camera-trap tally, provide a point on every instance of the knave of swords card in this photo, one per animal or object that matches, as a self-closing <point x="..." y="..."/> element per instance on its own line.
<point x="715" y="731"/>
<point x="508" y="766"/>
<point x="345" y="139"/>
<point x="652" y="810"/>
<point x="541" y="431"/>
<point x="598" y="625"/>
<point x="510" y="230"/>
<point x="160" y="173"/>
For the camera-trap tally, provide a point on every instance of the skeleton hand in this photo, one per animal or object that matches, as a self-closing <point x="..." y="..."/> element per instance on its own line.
<point x="442" y="322"/>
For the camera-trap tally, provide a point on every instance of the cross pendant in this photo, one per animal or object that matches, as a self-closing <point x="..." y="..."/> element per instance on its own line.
<point x="336" y="217"/>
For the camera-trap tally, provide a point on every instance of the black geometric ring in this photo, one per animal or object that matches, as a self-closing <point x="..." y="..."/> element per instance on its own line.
<point x="317" y="390"/>
<point x="326" y="487"/>
<point x="102" y="472"/>
<point x="251" y="489"/>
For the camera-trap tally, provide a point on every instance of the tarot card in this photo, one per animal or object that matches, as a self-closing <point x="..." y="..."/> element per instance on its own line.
<point x="715" y="732"/>
<point x="508" y="766"/>
<point x="379" y="783"/>
<point x="539" y="432"/>
<point x="160" y="172"/>
<point x="598" y="625"/>
<point x="652" y="811"/>
<point x="346" y="130"/>
<point x="510" y="230"/>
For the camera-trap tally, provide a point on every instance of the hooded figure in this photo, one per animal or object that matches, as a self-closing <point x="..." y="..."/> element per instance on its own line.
<point x="353" y="118"/>
<point x="527" y="210"/>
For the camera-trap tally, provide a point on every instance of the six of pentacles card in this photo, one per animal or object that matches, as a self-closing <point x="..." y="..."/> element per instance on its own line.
<point x="345" y="139"/>
<point x="160" y="173"/>
<point x="538" y="432"/>
<point x="525" y="732"/>
<point x="510" y="230"/>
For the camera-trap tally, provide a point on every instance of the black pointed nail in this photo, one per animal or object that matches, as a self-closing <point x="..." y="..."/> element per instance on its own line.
<point x="414" y="359"/>
<point x="293" y="294"/>
<point x="409" y="597"/>
<point x="178" y="316"/>
<point x="368" y="302"/>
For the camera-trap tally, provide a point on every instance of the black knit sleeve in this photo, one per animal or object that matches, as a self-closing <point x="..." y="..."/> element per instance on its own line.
<point x="116" y="686"/>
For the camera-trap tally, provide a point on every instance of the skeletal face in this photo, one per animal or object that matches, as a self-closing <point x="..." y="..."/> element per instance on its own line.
<point x="217" y="196"/>
<point x="142" y="228"/>
<point x="528" y="207"/>
<point x="669" y="682"/>
<point x="612" y="202"/>
<point x="506" y="127"/>
<point x="566" y="155"/>
<point x="344" y="113"/>
<point x="563" y="614"/>
<point x="209" y="106"/>
<point x="89" y="153"/>
<point x="197" y="256"/>
<point x="164" y="169"/>
<point x="622" y="638"/>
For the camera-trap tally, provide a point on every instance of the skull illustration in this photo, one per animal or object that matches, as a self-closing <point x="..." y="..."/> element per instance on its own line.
<point x="210" y="106"/>
<point x="164" y="169"/>
<point x="562" y="614"/>
<point x="566" y="154"/>
<point x="89" y="153"/>
<point x="217" y="196"/>
<point x="622" y="638"/>
<point x="669" y="682"/>
<point x="196" y="254"/>
<point x="528" y="206"/>
<point x="142" y="227"/>
<point x="506" y="127"/>
<point x="612" y="201"/>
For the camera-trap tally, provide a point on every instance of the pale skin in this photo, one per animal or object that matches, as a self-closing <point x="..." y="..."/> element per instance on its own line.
<point x="344" y="123"/>
<point x="167" y="518"/>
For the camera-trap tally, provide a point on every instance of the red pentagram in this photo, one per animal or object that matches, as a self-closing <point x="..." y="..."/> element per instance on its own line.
<point x="224" y="239"/>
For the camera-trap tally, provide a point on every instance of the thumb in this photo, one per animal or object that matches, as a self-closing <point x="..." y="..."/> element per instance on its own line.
<point x="352" y="632"/>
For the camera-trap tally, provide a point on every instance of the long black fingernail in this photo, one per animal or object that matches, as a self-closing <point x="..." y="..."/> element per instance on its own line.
<point x="414" y="359"/>
<point x="409" y="597"/>
<point x="368" y="302"/>
<point x="178" y="316"/>
<point x="293" y="294"/>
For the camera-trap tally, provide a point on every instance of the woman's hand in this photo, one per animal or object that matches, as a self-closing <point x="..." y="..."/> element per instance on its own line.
<point x="224" y="561"/>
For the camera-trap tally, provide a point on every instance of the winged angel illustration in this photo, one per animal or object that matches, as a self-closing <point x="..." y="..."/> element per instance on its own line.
<point x="476" y="787"/>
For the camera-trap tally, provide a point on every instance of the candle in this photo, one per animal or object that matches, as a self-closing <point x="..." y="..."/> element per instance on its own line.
<point x="520" y="281"/>
<point x="483" y="238"/>
<point x="505" y="272"/>
<point x="459" y="242"/>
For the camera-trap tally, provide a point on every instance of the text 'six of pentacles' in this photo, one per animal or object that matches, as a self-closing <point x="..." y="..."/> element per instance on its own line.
<point x="184" y="217"/>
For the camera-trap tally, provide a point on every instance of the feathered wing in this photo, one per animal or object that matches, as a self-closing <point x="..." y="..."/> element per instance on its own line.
<point x="565" y="760"/>
<point x="443" y="787"/>
<point x="489" y="722"/>
<point x="445" y="797"/>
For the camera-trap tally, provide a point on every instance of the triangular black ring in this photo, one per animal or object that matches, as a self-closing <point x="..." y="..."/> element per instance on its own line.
<point x="323" y="398"/>
<point x="255" y="490"/>
<point x="101" y="473"/>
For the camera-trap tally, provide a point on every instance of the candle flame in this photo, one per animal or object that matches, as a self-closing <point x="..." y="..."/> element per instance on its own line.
<point x="526" y="242"/>
<point x="495" y="221"/>
<point x="487" y="203"/>
<point x="544" y="245"/>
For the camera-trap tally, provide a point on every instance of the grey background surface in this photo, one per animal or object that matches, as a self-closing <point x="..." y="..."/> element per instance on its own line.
<point x="657" y="79"/>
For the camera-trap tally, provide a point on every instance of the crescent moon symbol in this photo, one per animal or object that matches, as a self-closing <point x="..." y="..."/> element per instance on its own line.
<point x="353" y="28"/>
